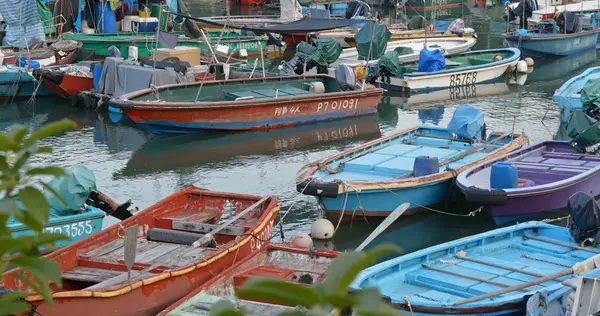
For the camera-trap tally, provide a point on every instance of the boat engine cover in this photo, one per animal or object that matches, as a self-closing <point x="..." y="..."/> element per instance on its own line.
<point x="585" y="215"/>
<point x="345" y="77"/>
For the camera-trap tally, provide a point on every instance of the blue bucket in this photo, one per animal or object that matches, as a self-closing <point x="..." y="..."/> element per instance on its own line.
<point x="425" y="165"/>
<point x="107" y="20"/>
<point x="504" y="175"/>
<point x="96" y="74"/>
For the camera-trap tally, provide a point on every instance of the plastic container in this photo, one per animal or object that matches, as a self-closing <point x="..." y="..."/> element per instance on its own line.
<point x="425" y="165"/>
<point x="107" y="19"/>
<point x="1" y="58"/>
<point x="504" y="175"/>
<point x="96" y="74"/>
<point x="155" y="12"/>
<point x="132" y="53"/>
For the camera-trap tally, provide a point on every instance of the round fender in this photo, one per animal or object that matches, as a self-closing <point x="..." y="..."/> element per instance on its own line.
<point x="485" y="196"/>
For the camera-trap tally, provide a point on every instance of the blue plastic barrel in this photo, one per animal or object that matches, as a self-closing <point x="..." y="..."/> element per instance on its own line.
<point x="96" y="74"/>
<point x="107" y="20"/>
<point x="425" y="165"/>
<point x="504" y="175"/>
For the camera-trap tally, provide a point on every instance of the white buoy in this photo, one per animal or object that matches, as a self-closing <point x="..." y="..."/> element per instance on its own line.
<point x="324" y="244"/>
<point x="529" y="61"/>
<point x="521" y="79"/>
<point x="322" y="229"/>
<point x="300" y="240"/>
<point x="521" y="66"/>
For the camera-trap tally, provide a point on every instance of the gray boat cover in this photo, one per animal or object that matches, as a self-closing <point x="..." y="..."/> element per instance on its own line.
<point x="120" y="77"/>
<point x="585" y="215"/>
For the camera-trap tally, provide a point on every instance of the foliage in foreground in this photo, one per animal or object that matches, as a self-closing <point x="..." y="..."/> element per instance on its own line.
<point x="20" y="200"/>
<point x="327" y="298"/>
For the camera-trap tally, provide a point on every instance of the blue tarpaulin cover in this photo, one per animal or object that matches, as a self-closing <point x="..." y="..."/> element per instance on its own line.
<point x="467" y="122"/>
<point x="74" y="186"/>
<point x="431" y="60"/>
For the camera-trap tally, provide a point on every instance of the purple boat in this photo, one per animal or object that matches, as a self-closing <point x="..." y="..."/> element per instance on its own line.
<point x="534" y="179"/>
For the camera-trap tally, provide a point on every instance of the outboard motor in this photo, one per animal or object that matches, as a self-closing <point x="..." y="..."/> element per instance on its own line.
<point x="346" y="79"/>
<point x="585" y="215"/>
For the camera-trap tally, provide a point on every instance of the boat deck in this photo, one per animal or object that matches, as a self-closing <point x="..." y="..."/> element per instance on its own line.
<point x="396" y="157"/>
<point x="454" y="272"/>
<point x="543" y="165"/>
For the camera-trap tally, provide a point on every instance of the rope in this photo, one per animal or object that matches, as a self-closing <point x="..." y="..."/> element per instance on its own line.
<point x="473" y="213"/>
<point x="342" y="213"/>
<point x="409" y="305"/>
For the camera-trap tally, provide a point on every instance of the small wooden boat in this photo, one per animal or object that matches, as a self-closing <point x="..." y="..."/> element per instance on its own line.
<point x="66" y="81"/>
<point x="464" y="69"/>
<point x="456" y="278"/>
<point x="203" y="304"/>
<point x="277" y="260"/>
<point x="145" y="42"/>
<point x="568" y="95"/>
<point x="402" y="35"/>
<point x="166" y="266"/>
<point x="548" y="173"/>
<point x="374" y="178"/>
<point x="245" y="104"/>
<point x="542" y="42"/>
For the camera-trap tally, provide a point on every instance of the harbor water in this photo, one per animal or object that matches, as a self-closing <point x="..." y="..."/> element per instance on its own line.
<point x="130" y="163"/>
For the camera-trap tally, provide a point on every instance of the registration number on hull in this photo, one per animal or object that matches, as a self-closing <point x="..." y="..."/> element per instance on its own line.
<point x="337" y="105"/>
<point x="72" y="230"/>
<point x="463" y="79"/>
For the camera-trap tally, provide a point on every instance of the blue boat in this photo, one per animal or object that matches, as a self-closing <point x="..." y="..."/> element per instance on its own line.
<point x="456" y="277"/>
<point x="84" y="212"/>
<point x="18" y="84"/>
<point x="568" y="95"/>
<point x="416" y="165"/>
<point x="548" y="40"/>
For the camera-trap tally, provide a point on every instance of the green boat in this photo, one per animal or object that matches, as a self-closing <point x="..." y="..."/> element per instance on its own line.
<point x="145" y="42"/>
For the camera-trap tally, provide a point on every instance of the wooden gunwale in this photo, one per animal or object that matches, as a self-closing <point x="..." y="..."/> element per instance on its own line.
<point x="517" y="142"/>
<point x="511" y="36"/>
<point x="239" y="242"/>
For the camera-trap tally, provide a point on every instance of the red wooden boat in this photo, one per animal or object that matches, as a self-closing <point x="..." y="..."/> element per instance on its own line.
<point x="278" y="260"/>
<point x="246" y="104"/>
<point x="62" y="82"/>
<point x="166" y="268"/>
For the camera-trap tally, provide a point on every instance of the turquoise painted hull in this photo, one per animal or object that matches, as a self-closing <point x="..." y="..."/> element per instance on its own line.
<point x="556" y="45"/>
<point x="76" y="227"/>
<point x="19" y="84"/>
<point x="568" y="95"/>
<point x="382" y="202"/>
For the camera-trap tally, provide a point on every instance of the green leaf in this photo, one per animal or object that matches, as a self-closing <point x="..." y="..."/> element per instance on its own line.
<point x="45" y="171"/>
<point x="293" y="313"/>
<point x="370" y="303"/>
<point x="344" y="269"/>
<point x="54" y="192"/>
<point x="17" y="132"/>
<point x="279" y="291"/>
<point x="21" y="162"/>
<point x="41" y="268"/>
<point x="13" y="303"/>
<point x="49" y="130"/>
<point x="35" y="202"/>
<point x="6" y="144"/>
<point x="225" y="307"/>
<point x="30" y="221"/>
<point x="39" y="286"/>
<point x="340" y="301"/>
<point x="3" y="164"/>
<point x="9" y="206"/>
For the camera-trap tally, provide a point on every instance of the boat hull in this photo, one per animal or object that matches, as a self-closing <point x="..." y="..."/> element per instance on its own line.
<point x="70" y="86"/>
<point x="556" y="45"/>
<point x="76" y="227"/>
<point x="431" y="5"/>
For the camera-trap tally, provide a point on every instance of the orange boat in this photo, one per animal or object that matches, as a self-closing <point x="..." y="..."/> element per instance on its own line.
<point x="278" y="260"/>
<point x="167" y="265"/>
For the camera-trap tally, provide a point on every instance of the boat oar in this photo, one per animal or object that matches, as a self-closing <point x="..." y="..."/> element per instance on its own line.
<point x="239" y="215"/>
<point x="387" y="222"/>
<point x="519" y="287"/>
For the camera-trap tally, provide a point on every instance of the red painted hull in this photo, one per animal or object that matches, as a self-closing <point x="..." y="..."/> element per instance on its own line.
<point x="70" y="85"/>
<point x="188" y="117"/>
<point x="295" y="38"/>
<point x="149" y="295"/>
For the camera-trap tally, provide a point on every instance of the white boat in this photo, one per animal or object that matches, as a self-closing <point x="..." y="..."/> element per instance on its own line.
<point x="448" y="45"/>
<point x="584" y="8"/>
<point x="461" y="70"/>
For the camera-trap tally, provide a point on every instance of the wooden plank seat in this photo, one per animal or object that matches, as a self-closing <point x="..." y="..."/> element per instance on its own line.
<point x="207" y="228"/>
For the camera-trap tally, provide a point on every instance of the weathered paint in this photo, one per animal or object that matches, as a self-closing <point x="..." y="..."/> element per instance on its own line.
<point x="302" y="261"/>
<point x="189" y="117"/>
<point x="557" y="45"/>
<point x="149" y="295"/>
<point x="70" y="85"/>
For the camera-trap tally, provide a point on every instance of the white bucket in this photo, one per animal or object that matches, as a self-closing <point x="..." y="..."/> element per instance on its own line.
<point x="132" y="52"/>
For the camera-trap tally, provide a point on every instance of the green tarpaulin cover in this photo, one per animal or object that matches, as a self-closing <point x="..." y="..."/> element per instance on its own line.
<point x="578" y="122"/>
<point x="590" y="94"/>
<point x="390" y="61"/>
<point x="46" y="16"/>
<point x="74" y="186"/>
<point x="589" y="137"/>
<point x="326" y="52"/>
<point x="380" y="35"/>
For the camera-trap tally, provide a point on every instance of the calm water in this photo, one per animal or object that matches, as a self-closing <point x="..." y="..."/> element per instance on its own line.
<point x="130" y="163"/>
